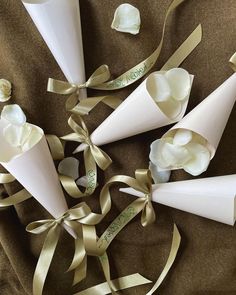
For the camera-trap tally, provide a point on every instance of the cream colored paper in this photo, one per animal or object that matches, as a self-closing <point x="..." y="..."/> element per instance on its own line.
<point x="137" y="114"/>
<point x="210" y="117"/>
<point x="58" y="21"/>
<point x="212" y="198"/>
<point x="35" y="170"/>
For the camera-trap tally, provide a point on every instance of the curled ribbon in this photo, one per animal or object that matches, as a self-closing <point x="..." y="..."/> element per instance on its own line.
<point x="83" y="107"/>
<point x="15" y="199"/>
<point x="92" y="155"/>
<point x="71" y="220"/>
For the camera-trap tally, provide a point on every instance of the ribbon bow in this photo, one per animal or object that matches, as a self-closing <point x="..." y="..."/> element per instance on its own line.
<point x="101" y="75"/>
<point x="72" y="220"/>
<point x="81" y="135"/>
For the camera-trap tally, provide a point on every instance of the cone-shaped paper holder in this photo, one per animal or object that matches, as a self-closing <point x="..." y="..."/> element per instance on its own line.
<point x="212" y="198"/>
<point x="58" y="21"/>
<point x="35" y="170"/>
<point x="137" y="114"/>
<point x="210" y="117"/>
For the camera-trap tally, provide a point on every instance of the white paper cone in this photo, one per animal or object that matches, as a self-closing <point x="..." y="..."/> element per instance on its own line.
<point x="137" y="114"/>
<point x="58" y="21"/>
<point x="210" y="117"/>
<point x="35" y="170"/>
<point x="212" y="198"/>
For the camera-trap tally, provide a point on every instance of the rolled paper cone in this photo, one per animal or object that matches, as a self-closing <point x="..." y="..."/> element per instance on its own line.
<point x="35" y="170"/>
<point x="212" y="198"/>
<point x="58" y="21"/>
<point x="210" y="117"/>
<point x="137" y="114"/>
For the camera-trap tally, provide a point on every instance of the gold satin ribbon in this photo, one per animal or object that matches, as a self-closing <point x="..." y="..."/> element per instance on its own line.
<point x="92" y="155"/>
<point x="83" y="107"/>
<point x="56" y="147"/>
<point x="6" y="178"/>
<point x="15" y="199"/>
<point x="232" y="61"/>
<point x="70" y="219"/>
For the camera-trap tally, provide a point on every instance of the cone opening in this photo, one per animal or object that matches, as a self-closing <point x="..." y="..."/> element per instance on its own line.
<point x="9" y="152"/>
<point x="160" y="91"/>
<point x="35" y="1"/>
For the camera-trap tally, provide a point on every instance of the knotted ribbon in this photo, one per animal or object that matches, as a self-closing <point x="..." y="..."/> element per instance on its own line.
<point x="92" y="155"/>
<point x="83" y="107"/>
<point x="71" y="220"/>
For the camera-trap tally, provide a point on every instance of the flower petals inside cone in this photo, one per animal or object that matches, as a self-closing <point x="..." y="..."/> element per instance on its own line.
<point x="183" y="149"/>
<point x="126" y="19"/>
<point x="170" y="90"/>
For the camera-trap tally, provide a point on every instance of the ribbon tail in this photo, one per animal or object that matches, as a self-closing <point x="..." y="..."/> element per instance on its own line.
<point x="45" y="259"/>
<point x="173" y="253"/>
<point x="6" y="178"/>
<point x="120" y="284"/>
<point x="56" y="147"/>
<point x="80" y="272"/>
<point x="15" y="199"/>
<point x="101" y="158"/>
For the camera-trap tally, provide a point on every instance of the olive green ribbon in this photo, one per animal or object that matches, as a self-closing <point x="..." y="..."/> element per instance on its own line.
<point x="83" y="107"/>
<point x="70" y="219"/>
<point x="232" y="61"/>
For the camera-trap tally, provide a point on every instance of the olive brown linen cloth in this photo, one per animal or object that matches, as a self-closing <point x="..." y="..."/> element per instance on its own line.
<point x="206" y="262"/>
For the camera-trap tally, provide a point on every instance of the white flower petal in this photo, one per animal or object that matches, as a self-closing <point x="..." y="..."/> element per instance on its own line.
<point x="174" y="156"/>
<point x="13" y="135"/>
<point x="158" y="87"/>
<point x="69" y="167"/>
<point x="5" y="90"/>
<point x="82" y="181"/>
<point x="155" y="155"/>
<point x="158" y="175"/>
<point x="171" y="108"/>
<point x="182" y="137"/>
<point x="33" y="138"/>
<point x="180" y="83"/>
<point x="126" y="19"/>
<point x="200" y="159"/>
<point x="14" y="114"/>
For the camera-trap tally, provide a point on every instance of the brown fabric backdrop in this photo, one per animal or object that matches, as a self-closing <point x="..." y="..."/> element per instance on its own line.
<point x="206" y="263"/>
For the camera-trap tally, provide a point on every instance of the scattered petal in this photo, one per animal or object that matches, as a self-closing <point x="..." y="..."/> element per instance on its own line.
<point x="69" y="167"/>
<point x="158" y="87"/>
<point x="182" y="137"/>
<point x="180" y="83"/>
<point x="158" y="175"/>
<point x="126" y="19"/>
<point x="82" y="181"/>
<point x="5" y="90"/>
<point x="14" y="114"/>
<point x="200" y="159"/>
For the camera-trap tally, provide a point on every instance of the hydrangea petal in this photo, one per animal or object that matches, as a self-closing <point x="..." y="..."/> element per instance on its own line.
<point x="158" y="87"/>
<point x="200" y="159"/>
<point x="69" y="167"/>
<point x="126" y="19"/>
<point x="13" y="114"/>
<point x="180" y="83"/>
<point x="159" y="175"/>
<point x="182" y="137"/>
